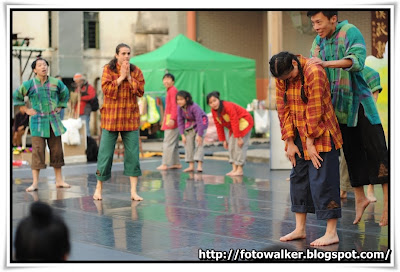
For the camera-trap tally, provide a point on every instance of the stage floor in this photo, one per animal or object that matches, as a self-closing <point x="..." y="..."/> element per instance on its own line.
<point x="183" y="213"/>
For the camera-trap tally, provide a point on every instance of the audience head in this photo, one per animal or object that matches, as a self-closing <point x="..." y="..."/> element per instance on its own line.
<point x="42" y="236"/>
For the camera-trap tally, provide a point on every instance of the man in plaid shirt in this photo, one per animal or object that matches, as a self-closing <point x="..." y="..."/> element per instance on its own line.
<point x="47" y="96"/>
<point x="340" y="48"/>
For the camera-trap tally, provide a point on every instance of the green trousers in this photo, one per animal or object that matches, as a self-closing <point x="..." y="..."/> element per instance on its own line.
<point x="106" y="153"/>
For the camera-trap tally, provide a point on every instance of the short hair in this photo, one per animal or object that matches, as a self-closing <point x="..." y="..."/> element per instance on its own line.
<point x="187" y="96"/>
<point x="42" y="236"/>
<point x="170" y="76"/>
<point x="327" y="13"/>
<point x="33" y="65"/>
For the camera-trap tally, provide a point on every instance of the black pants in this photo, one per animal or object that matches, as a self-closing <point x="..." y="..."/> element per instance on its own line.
<point x="366" y="153"/>
<point x="316" y="190"/>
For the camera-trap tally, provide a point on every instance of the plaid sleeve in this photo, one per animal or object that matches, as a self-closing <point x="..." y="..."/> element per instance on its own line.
<point x="314" y="52"/>
<point x="108" y="85"/>
<point x="138" y="83"/>
<point x="64" y="95"/>
<point x="19" y="94"/>
<point x="355" y="49"/>
<point x="372" y="78"/>
<point x="285" y="119"/>
<point x="316" y="82"/>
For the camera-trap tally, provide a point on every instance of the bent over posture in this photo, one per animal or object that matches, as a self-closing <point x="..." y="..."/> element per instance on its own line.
<point x="312" y="135"/>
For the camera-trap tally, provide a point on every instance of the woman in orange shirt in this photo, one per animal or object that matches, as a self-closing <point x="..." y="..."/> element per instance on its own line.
<point x="239" y="123"/>
<point x="121" y="83"/>
<point x="313" y="139"/>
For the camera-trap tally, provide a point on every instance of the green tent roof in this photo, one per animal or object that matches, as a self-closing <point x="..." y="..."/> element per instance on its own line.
<point x="184" y="54"/>
<point x="199" y="71"/>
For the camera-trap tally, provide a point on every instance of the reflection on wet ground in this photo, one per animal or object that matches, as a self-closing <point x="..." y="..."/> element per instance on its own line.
<point x="184" y="212"/>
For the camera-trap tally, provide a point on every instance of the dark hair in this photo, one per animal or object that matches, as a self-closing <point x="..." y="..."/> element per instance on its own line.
<point x="42" y="236"/>
<point x="113" y="63"/>
<point x="281" y="64"/>
<point x="216" y="95"/>
<point x="187" y="96"/>
<point x="327" y="13"/>
<point x="170" y="76"/>
<point x="33" y="65"/>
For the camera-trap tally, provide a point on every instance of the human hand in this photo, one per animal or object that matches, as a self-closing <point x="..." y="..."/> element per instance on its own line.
<point x="123" y="70"/>
<point x="375" y="95"/>
<point x="183" y="139"/>
<point x="225" y="145"/>
<point x="171" y="123"/>
<point x="240" y="142"/>
<point x="31" y="112"/>
<point x="315" y="60"/>
<point x="128" y="71"/>
<point x="314" y="156"/>
<point x="20" y="128"/>
<point x="291" y="152"/>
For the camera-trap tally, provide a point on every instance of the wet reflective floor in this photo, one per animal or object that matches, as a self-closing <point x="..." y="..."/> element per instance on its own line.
<point x="184" y="212"/>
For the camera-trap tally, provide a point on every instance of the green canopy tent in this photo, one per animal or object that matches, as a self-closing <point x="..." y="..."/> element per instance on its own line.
<point x="199" y="71"/>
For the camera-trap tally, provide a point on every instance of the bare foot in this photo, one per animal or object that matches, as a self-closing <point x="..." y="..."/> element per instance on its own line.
<point x="162" y="167"/>
<point x="360" y="207"/>
<point x="97" y="194"/>
<point x="189" y="169"/>
<point x="371" y="197"/>
<point x="31" y="188"/>
<point x="237" y="173"/>
<point x="199" y="170"/>
<point x="384" y="218"/>
<point x="294" y="235"/>
<point x="63" y="185"/>
<point x="230" y="173"/>
<point x="343" y="194"/>
<point x="175" y="166"/>
<point x="326" y="240"/>
<point x="136" y="197"/>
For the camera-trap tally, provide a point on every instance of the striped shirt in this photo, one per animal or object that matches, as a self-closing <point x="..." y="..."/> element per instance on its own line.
<point x="348" y="86"/>
<point x="44" y="99"/>
<point x="120" y="110"/>
<point x="372" y="78"/>
<point x="316" y="119"/>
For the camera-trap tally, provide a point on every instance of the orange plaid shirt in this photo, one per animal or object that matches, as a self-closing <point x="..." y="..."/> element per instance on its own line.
<point x="317" y="118"/>
<point x="120" y="110"/>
